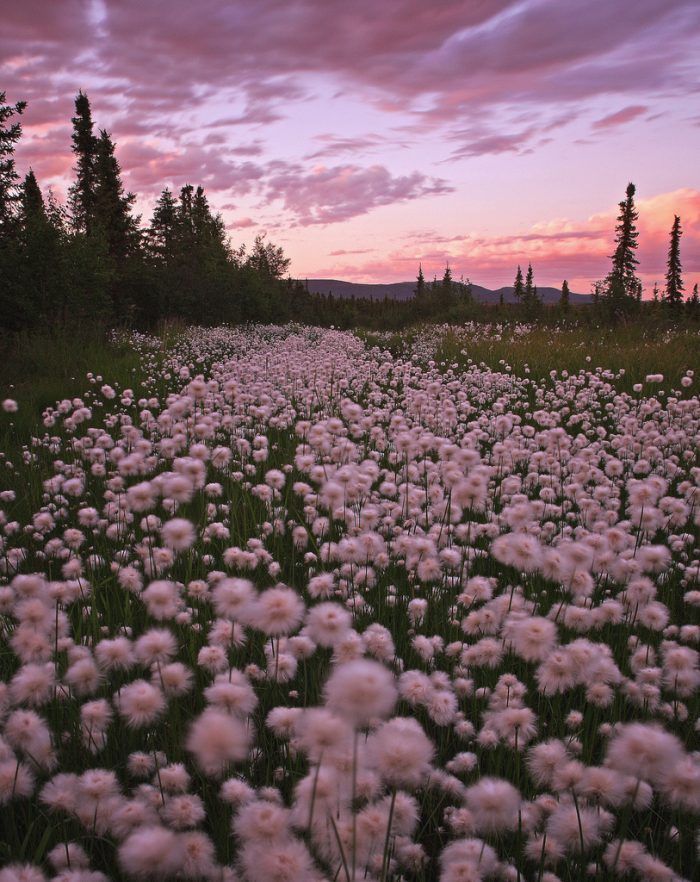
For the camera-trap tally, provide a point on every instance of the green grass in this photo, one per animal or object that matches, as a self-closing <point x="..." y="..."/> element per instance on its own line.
<point x="637" y="350"/>
<point x="39" y="368"/>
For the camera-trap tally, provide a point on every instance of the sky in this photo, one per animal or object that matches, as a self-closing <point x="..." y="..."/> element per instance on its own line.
<point x="366" y="137"/>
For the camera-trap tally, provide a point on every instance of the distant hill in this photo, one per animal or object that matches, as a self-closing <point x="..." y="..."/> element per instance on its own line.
<point x="404" y="291"/>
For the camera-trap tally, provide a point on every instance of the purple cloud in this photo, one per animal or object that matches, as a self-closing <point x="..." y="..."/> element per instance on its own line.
<point x="329" y="195"/>
<point x="160" y="57"/>
<point x="343" y="251"/>
<point x="620" y="117"/>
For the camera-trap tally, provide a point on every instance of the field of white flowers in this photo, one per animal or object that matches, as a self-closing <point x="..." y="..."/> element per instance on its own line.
<point x="292" y="609"/>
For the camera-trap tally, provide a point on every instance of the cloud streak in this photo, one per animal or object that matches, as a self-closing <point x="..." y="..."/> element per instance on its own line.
<point x="620" y="117"/>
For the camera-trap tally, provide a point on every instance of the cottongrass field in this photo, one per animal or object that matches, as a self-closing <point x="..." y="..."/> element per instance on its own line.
<point x="293" y="607"/>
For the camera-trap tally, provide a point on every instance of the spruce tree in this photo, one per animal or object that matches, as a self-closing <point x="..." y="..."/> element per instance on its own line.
<point x="518" y="287"/>
<point x="81" y="197"/>
<point x="186" y="201"/>
<point x="56" y="212"/>
<point x="206" y="265"/>
<point x="674" y="279"/>
<point x="446" y="286"/>
<point x="622" y="282"/>
<point x="444" y="292"/>
<point x="162" y="234"/>
<point x="693" y="303"/>
<point x="564" y="300"/>
<point x="528" y="282"/>
<point x="42" y="266"/>
<point x="31" y="200"/>
<point x="9" y="136"/>
<point x="209" y="229"/>
<point x="530" y="298"/>
<point x="164" y="245"/>
<point x="112" y="207"/>
<point x="419" y="290"/>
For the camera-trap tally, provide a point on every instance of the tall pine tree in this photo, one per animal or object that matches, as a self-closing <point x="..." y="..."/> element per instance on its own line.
<point x="622" y="283"/>
<point x="9" y="192"/>
<point x="565" y="300"/>
<point x="33" y="209"/>
<point x="209" y="229"/>
<point x="112" y="207"/>
<point x="530" y="295"/>
<point x="162" y="234"/>
<point x="419" y="290"/>
<point x="674" y="278"/>
<point x="81" y="196"/>
<point x="42" y="265"/>
<point x="518" y="287"/>
<point x="445" y="293"/>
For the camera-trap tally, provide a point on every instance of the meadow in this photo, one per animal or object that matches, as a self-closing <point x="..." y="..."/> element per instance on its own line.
<point x="291" y="604"/>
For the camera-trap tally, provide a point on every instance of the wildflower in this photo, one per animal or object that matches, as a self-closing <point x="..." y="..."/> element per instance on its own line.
<point x="360" y="691"/>
<point x="232" y="597"/>
<point x="494" y="803"/>
<point x="467" y="859"/>
<point x="285" y="861"/>
<point x="151" y="852"/>
<point x="644" y="751"/>
<point x="161" y="599"/>
<point x="140" y="703"/>
<point x="326" y="623"/>
<point x="217" y="740"/>
<point x="401" y="752"/>
<point x="276" y="611"/>
<point x="178" y="534"/>
<point x="183" y="811"/>
<point x="532" y="638"/>
<point x="16" y="781"/>
<point x="155" y="646"/>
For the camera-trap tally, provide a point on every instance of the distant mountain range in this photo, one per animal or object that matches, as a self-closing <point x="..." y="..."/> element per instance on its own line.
<point x="404" y="291"/>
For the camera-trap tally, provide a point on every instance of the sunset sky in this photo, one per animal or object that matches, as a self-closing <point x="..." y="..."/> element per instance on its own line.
<point x="367" y="136"/>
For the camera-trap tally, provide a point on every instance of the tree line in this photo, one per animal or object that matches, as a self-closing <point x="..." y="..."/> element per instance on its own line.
<point x="620" y="293"/>
<point x="93" y="260"/>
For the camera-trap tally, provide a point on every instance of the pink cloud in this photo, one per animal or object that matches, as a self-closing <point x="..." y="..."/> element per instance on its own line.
<point x="333" y="145"/>
<point x="242" y="224"/>
<point x="480" y="144"/>
<point x="463" y="55"/>
<point x="327" y="195"/>
<point x="46" y="155"/>
<point x="620" y="117"/>
<point x="342" y="251"/>
<point x="149" y="168"/>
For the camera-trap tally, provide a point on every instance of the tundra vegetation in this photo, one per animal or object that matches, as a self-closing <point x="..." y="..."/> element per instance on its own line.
<point x="288" y="603"/>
